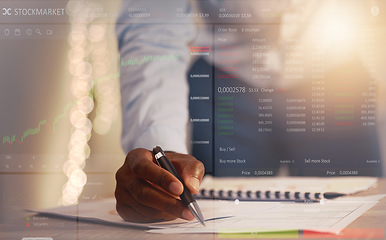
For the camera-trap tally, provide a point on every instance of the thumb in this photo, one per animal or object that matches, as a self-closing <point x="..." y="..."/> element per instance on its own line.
<point x="190" y="169"/>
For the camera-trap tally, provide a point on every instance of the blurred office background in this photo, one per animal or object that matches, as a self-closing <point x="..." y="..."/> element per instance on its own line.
<point x="60" y="104"/>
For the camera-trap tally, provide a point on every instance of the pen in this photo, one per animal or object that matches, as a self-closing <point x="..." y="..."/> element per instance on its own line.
<point x="186" y="196"/>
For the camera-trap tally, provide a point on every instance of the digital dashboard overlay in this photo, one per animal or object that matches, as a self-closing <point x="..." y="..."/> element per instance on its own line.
<point x="275" y="88"/>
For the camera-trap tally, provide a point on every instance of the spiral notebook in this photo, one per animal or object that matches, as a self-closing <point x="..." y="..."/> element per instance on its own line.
<point x="282" y="188"/>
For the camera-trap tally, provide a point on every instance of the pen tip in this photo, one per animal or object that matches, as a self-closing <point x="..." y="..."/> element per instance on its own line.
<point x="196" y="211"/>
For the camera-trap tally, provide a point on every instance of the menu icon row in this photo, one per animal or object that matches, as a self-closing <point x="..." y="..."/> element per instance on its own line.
<point x="27" y="32"/>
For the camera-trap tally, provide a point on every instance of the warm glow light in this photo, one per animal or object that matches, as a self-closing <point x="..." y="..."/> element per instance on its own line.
<point x="337" y="31"/>
<point x="85" y="105"/>
<point x="80" y="13"/>
<point x="89" y="63"/>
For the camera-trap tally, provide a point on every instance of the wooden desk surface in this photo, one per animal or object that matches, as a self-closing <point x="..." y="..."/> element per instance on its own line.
<point x="57" y="228"/>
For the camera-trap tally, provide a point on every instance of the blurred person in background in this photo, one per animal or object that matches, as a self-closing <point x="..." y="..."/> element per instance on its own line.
<point x="155" y="96"/>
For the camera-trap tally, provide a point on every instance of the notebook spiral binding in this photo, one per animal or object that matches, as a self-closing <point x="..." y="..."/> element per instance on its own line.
<point x="259" y="195"/>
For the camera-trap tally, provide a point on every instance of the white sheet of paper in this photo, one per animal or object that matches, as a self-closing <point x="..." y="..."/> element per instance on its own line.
<point x="219" y="210"/>
<point x="103" y="211"/>
<point x="330" y="216"/>
<point x="100" y="211"/>
<point x="237" y="217"/>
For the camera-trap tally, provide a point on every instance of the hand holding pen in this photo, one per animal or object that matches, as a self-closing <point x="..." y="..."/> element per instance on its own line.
<point x="186" y="196"/>
<point x="146" y="192"/>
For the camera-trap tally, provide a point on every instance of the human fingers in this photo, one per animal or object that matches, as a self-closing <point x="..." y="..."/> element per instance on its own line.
<point x="141" y="163"/>
<point x="190" y="169"/>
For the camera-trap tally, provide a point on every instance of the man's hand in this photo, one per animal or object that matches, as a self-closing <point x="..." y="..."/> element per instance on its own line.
<point x="146" y="192"/>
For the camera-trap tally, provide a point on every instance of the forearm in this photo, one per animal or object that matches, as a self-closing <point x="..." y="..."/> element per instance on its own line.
<point x="155" y="90"/>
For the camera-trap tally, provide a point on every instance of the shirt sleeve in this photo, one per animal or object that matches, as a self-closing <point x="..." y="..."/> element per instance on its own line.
<point x="154" y="60"/>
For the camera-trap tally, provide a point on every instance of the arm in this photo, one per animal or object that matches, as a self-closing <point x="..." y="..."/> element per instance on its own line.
<point x="155" y="112"/>
<point x="154" y="94"/>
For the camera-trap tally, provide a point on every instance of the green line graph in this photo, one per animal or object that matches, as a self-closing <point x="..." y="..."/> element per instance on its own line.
<point x="147" y="59"/>
<point x="33" y="131"/>
<point x="62" y="115"/>
<point x="11" y="139"/>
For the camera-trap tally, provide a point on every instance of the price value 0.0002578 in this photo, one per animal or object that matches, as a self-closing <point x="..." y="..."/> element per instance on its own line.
<point x="231" y="89"/>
